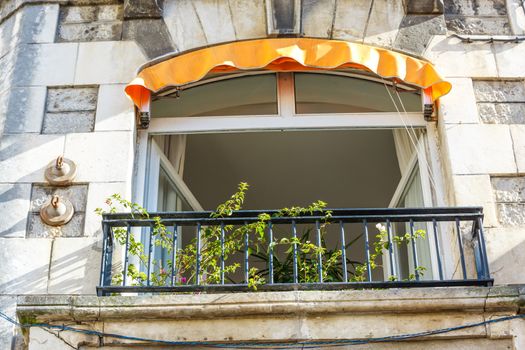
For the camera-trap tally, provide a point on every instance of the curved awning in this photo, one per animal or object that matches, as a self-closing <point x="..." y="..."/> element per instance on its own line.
<point x="285" y="54"/>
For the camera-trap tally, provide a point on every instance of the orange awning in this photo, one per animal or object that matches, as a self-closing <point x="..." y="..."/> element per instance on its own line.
<point x="285" y="54"/>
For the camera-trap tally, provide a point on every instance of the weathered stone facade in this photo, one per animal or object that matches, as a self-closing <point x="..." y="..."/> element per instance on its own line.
<point x="64" y="65"/>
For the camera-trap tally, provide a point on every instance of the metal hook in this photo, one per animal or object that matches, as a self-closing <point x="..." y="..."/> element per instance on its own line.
<point x="59" y="162"/>
<point x="55" y="200"/>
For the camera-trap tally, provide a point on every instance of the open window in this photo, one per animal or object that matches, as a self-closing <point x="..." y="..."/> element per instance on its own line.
<point x="295" y="138"/>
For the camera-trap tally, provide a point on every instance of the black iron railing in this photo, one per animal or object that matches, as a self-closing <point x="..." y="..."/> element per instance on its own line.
<point x="454" y="250"/>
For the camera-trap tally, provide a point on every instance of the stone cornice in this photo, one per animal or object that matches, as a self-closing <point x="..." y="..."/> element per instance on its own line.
<point x="499" y="299"/>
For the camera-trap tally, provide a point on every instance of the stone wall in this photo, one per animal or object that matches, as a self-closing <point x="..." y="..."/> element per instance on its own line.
<point x="64" y="65"/>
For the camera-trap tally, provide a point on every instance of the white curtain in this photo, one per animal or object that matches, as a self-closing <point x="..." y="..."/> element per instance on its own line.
<point x="176" y="152"/>
<point x="174" y="147"/>
<point x="412" y="197"/>
<point x="404" y="146"/>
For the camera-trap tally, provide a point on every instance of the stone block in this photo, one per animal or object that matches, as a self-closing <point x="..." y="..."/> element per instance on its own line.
<point x="216" y="21"/>
<point x="101" y="156"/>
<point x="78" y="14"/>
<point x="71" y="99"/>
<point x="95" y="31"/>
<point x="283" y="17"/>
<point x="415" y="32"/>
<point x="67" y="122"/>
<point x="39" y="23"/>
<point x="248" y="19"/>
<point x="25" y="109"/>
<point x="151" y="35"/>
<point x="511" y="214"/>
<point x="115" y="111"/>
<point x="36" y="228"/>
<point x="75" y="266"/>
<point x="459" y="105"/>
<point x="350" y="19"/>
<point x="470" y="60"/>
<point x="518" y="138"/>
<point x="23" y="158"/>
<point x="14" y="205"/>
<point x="476" y="190"/>
<point x="110" y="12"/>
<point x="76" y="194"/>
<point x="509" y="189"/>
<point x="27" y="274"/>
<point x="505" y="248"/>
<point x="502" y="113"/>
<point x="499" y="90"/>
<point x="8" y="307"/>
<point x="46" y="64"/>
<point x="8" y="67"/>
<point x="184" y="25"/>
<point x="480" y="149"/>
<point x="478" y="25"/>
<point x="134" y="9"/>
<point x="383" y="23"/>
<point x="510" y="60"/>
<point x="317" y="18"/>
<point x="476" y="8"/>
<point x="96" y="62"/>
<point x="8" y="34"/>
<point x="424" y="7"/>
<point x="41" y="339"/>
<point x="97" y="195"/>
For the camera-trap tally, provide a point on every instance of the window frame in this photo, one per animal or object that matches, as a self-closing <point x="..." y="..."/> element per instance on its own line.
<point x="288" y="120"/>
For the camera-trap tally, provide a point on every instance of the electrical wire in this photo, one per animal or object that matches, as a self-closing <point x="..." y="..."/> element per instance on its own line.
<point x="277" y="345"/>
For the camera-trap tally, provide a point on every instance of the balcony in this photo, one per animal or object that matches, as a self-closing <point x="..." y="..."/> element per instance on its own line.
<point x="274" y="251"/>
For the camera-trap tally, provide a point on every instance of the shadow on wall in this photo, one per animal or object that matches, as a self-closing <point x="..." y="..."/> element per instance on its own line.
<point x="505" y="252"/>
<point x="23" y="159"/>
<point x="72" y="268"/>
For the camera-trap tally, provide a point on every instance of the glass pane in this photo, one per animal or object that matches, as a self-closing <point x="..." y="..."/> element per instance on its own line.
<point x="324" y="93"/>
<point x="413" y="198"/>
<point x="251" y="95"/>
<point x="168" y="200"/>
<point x="168" y="197"/>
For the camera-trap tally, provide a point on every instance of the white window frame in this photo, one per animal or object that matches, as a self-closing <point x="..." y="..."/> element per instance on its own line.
<point x="287" y="120"/>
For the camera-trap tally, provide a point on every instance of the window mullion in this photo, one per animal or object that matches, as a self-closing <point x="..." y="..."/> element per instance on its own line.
<point x="286" y="94"/>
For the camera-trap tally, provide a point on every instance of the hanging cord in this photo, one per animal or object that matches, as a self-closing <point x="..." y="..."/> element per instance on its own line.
<point x="412" y="135"/>
<point x="427" y="165"/>
<point x="276" y="345"/>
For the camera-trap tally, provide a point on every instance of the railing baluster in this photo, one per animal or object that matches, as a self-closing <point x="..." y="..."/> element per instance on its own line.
<point x="198" y="260"/>
<point x="481" y="239"/>
<point x="461" y="251"/>
<point x="343" y="251"/>
<point x="295" y="267"/>
<point x="105" y="236"/>
<point x="367" y="251"/>
<point x="174" y="255"/>
<point x="150" y="251"/>
<point x="319" y="254"/>
<point x="393" y="269"/>
<point x="414" y="250"/>
<point x="126" y="256"/>
<point x="270" y="253"/>
<point x="246" y="256"/>
<point x="438" y="250"/>
<point x="222" y="252"/>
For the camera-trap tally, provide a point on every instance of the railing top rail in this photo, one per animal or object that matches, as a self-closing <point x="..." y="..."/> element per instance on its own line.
<point x="345" y="214"/>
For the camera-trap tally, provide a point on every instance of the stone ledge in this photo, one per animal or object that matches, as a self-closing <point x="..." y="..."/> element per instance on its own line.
<point x="418" y="300"/>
